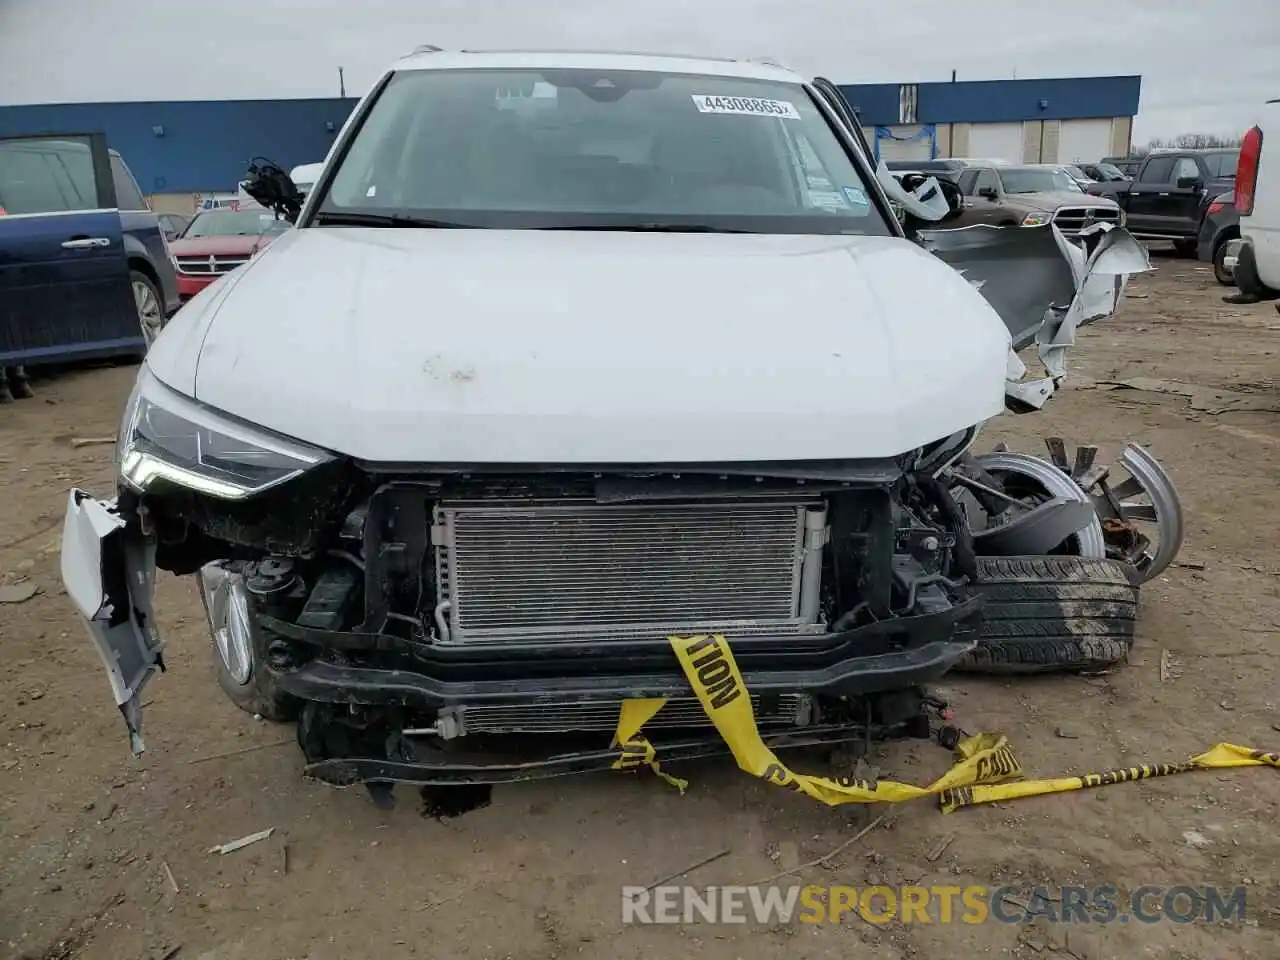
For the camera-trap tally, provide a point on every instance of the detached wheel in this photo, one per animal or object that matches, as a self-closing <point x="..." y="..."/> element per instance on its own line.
<point x="1045" y="614"/>
<point x="238" y="647"/>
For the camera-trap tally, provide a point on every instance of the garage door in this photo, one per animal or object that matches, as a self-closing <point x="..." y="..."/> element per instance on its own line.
<point x="1084" y="141"/>
<point x="995" y="141"/>
<point x="904" y="149"/>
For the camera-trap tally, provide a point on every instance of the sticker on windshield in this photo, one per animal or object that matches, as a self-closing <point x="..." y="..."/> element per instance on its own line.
<point x="745" y="106"/>
<point x="856" y="196"/>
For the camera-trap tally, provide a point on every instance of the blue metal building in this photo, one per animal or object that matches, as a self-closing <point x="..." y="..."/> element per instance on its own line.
<point x="193" y="147"/>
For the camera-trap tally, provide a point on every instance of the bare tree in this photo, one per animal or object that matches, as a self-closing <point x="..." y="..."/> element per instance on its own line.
<point x="1190" y="141"/>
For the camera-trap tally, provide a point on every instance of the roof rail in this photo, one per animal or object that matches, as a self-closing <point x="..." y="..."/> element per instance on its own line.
<point x="428" y="48"/>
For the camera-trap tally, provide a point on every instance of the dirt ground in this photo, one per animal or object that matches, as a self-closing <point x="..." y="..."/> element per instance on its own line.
<point x="89" y="837"/>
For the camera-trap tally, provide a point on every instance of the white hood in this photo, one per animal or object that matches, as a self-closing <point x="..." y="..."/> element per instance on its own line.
<point x="479" y="346"/>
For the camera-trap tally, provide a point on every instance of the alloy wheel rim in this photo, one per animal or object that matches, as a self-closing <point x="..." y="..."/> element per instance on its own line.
<point x="148" y="307"/>
<point x="233" y="637"/>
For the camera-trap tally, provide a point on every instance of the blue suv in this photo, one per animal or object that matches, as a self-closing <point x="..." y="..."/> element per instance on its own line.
<point x="85" y="270"/>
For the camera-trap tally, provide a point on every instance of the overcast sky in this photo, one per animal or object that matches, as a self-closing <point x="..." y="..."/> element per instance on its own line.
<point x="1205" y="67"/>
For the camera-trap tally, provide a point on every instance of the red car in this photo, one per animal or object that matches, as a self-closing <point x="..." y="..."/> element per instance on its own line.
<point x="218" y="241"/>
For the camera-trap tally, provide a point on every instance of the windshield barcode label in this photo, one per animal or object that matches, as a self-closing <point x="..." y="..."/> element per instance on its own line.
<point x="748" y="106"/>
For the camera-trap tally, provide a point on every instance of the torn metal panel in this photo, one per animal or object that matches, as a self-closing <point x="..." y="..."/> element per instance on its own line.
<point x="109" y="572"/>
<point x="1043" y="286"/>
<point x="1021" y="271"/>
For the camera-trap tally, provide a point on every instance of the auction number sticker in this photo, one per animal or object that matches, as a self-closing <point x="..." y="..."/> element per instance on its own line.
<point x="745" y="106"/>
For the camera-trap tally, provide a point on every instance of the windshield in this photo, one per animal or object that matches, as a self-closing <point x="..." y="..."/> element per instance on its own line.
<point x="575" y="149"/>
<point x="233" y="223"/>
<point x="1076" y="172"/>
<point x="1222" y="164"/>
<point x="1035" y="180"/>
<point x="1110" y="171"/>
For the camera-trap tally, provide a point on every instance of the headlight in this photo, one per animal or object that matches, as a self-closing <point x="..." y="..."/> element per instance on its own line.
<point x="1036" y="219"/>
<point x="170" y="438"/>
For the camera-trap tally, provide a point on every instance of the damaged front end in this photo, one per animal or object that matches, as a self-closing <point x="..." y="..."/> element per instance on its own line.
<point x="404" y="612"/>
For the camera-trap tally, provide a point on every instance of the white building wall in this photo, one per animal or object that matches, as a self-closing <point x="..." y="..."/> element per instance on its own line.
<point x="996" y="141"/>
<point x="904" y="149"/>
<point x="1085" y="141"/>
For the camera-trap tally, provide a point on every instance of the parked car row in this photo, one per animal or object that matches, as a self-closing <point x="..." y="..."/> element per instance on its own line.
<point x="84" y="263"/>
<point x="215" y="242"/>
<point x="88" y="269"/>
<point x="1006" y="194"/>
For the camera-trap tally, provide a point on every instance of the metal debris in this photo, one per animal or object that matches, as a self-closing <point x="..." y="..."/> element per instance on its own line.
<point x="243" y="842"/>
<point x="689" y="869"/>
<point x="939" y="848"/>
<point x="91" y="441"/>
<point x="243" y="750"/>
<point x="168" y="875"/>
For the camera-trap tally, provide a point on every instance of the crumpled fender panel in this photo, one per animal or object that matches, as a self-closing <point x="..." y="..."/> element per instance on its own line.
<point x="1043" y="285"/>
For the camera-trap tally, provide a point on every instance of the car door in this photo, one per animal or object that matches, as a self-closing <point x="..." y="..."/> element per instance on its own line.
<point x="1148" y="207"/>
<point x="981" y="189"/>
<point x="64" y="277"/>
<point x="1187" y="197"/>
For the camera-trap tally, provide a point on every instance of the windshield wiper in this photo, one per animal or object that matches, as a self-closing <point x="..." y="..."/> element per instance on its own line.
<point x="648" y="228"/>
<point x="386" y="220"/>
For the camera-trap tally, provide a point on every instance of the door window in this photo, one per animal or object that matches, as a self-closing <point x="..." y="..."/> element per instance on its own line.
<point x="128" y="195"/>
<point x="47" y="175"/>
<point x="1186" y="167"/>
<point x="986" y="181"/>
<point x="969" y="183"/>
<point x="1157" y="170"/>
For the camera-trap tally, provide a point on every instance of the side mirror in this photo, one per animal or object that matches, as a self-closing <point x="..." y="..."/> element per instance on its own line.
<point x="270" y="186"/>
<point x="989" y="193"/>
<point x="1189" y="183"/>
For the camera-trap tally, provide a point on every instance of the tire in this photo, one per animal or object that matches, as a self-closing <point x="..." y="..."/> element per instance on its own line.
<point x="1045" y="614"/>
<point x="1252" y="289"/>
<point x="1185" y="248"/>
<point x="1220" y="271"/>
<point x="149" y="303"/>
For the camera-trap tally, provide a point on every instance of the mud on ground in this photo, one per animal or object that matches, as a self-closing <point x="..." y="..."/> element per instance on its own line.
<point x="88" y="837"/>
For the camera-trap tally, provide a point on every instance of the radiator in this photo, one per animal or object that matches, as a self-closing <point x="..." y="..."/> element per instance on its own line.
<point x="547" y="572"/>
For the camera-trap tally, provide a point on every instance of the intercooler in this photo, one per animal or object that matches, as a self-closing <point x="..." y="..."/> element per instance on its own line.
<point x="556" y="572"/>
<point x="787" y="709"/>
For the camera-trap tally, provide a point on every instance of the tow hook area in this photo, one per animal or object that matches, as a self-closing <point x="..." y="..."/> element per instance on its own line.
<point x="108" y="567"/>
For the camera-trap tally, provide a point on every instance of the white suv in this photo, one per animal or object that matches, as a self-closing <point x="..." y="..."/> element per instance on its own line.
<point x="570" y="354"/>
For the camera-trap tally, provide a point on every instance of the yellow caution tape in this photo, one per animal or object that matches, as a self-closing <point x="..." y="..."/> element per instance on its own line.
<point x="1215" y="758"/>
<point x="636" y="750"/>
<point x="985" y="761"/>
<point x="710" y="668"/>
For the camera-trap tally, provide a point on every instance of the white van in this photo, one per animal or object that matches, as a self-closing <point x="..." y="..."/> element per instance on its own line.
<point x="1257" y="198"/>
